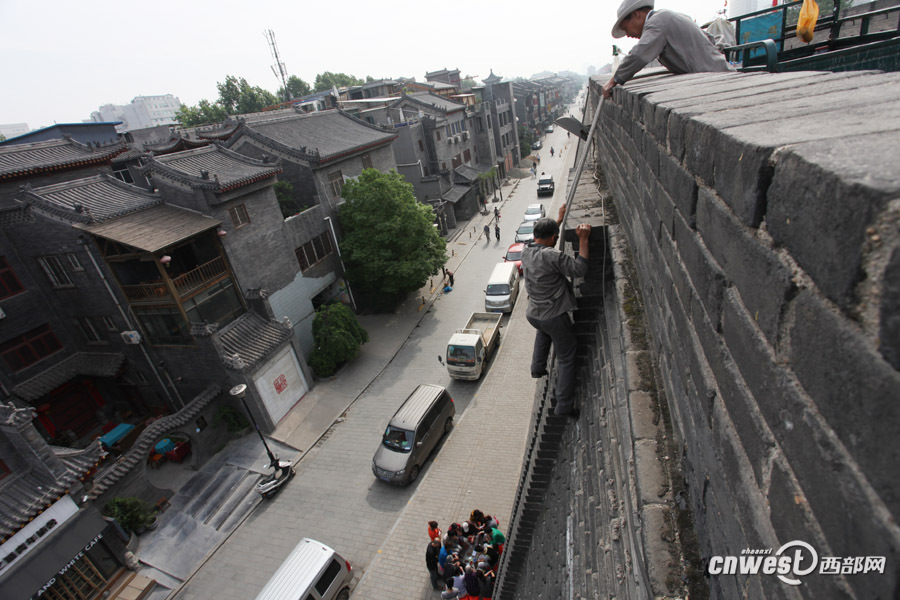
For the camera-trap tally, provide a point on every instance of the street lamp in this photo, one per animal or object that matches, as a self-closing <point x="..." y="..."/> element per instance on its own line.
<point x="239" y="391"/>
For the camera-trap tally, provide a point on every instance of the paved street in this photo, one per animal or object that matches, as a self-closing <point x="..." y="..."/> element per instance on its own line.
<point x="335" y="498"/>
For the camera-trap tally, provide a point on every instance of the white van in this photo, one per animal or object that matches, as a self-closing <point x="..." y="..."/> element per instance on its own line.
<point x="502" y="288"/>
<point x="312" y="571"/>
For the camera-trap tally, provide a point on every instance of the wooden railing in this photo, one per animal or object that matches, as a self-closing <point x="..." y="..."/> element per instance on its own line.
<point x="197" y="278"/>
<point x="184" y="284"/>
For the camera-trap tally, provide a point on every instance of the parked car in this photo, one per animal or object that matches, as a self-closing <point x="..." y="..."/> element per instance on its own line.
<point x="525" y="232"/>
<point x="514" y="254"/>
<point x="549" y="129"/>
<point x="537" y="145"/>
<point x="412" y="433"/>
<point x="546" y="187"/>
<point x="534" y="212"/>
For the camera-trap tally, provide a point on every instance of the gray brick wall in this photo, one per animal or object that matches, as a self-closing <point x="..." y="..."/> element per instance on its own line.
<point x="762" y="219"/>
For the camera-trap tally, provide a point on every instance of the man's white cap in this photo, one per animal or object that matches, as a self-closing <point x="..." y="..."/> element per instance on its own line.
<point x="626" y="8"/>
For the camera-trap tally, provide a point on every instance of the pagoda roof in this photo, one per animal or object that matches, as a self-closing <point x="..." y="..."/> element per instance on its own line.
<point x="212" y="168"/>
<point x="89" y="200"/>
<point x="317" y="137"/>
<point x="54" y="155"/>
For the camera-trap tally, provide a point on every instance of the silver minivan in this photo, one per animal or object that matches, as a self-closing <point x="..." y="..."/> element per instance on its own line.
<point x="312" y="571"/>
<point x="412" y="434"/>
<point x="502" y="288"/>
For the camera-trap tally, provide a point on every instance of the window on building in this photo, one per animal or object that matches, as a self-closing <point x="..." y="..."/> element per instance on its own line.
<point x="25" y="350"/>
<point x="314" y="251"/>
<point x="479" y="125"/>
<point x="467" y="155"/>
<point x="421" y="146"/>
<point x="336" y="180"/>
<point x="239" y="216"/>
<point x="88" y="330"/>
<point x="9" y="283"/>
<point x="438" y="134"/>
<point x="217" y="304"/>
<point x="109" y="323"/>
<point x="443" y="166"/>
<point x="367" y="161"/>
<point x="123" y="174"/>
<point x="4" y="470"/>
<point x="74" y="263"/>
<point x="490" y="126"/>
<point x="164" y="326"/>
<point x="53" y="267"/>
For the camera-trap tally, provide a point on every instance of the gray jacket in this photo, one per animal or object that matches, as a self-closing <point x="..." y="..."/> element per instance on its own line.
<point x="679" y="44"/>
<point x="546" y="271"/>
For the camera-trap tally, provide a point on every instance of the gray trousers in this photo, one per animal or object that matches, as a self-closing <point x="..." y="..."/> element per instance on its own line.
<point x="558" y="332"/>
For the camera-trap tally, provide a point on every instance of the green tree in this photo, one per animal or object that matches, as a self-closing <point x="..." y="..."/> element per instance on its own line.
<point x="390" y="245"/>
<point x="296" y="88"/>
<point x="525" y="140"/>
<point x="205" y="113"/>
<point x="338" y="337"/>
<point x="133" y="514"/>
<point x="239" y="97"/>
<point x="2" y="137"/>
<point x="328" y="80"/>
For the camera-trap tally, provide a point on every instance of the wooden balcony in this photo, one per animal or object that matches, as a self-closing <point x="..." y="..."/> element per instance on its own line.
<point x="185" y="284"/>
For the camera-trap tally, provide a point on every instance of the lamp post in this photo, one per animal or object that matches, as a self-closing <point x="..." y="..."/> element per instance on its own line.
<point x="239" y="391"/>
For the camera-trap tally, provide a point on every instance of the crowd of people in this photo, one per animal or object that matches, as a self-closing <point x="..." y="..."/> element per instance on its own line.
<point x="463" y="561"/>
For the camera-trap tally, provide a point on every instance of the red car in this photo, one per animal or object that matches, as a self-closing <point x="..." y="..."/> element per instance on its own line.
<point x="514" y="254"/>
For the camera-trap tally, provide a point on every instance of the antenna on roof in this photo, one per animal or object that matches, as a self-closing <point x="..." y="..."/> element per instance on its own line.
<point x="278" y="68"/>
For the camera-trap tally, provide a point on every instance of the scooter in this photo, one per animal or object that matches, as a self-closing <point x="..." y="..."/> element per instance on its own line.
<point x="281" y="474"/>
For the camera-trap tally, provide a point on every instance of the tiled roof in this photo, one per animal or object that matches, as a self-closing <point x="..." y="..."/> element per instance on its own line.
<point x="225" y="170"/>
<point x="53" y="155"/>
<point x="456" y="193"/>
<point x="325" y="135"/>
<point x="26" y="494"/>
<point x="429" y="99"/>
<point x="249" y="339"/>
<point x="97" y="364"/>
<point x="101" y="197"/>
<point x="154" y="228"/>
<point x="470" y="173"/>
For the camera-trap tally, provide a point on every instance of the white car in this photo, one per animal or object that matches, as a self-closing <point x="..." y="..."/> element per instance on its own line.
<point x="534" y="212"/>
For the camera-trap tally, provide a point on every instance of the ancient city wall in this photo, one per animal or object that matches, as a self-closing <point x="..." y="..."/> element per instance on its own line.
<point x="762" y="212"/>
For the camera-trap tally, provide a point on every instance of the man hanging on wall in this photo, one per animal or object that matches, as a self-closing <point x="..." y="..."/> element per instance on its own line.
<point x="679" y="44"/>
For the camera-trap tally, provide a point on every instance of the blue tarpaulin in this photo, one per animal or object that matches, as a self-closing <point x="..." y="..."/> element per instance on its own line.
<point x="116" y="434"/>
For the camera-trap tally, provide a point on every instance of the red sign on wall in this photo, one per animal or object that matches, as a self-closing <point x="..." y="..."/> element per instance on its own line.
<point x="280" y="383"/>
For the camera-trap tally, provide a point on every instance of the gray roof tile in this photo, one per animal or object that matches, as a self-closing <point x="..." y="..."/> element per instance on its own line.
<point x="250" y="339"/>
<point x="39" y="157"/>
<point x="331" y="133"/>
<point x="102" y="197"/>
<point x="226" y="170"/>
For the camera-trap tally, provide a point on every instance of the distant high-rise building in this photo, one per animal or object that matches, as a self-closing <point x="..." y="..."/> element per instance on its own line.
<point x="141" y="113"/>
<point x="737" y="8"/>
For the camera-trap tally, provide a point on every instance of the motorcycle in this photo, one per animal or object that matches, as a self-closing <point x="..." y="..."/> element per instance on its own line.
<point x="281" y="474"/>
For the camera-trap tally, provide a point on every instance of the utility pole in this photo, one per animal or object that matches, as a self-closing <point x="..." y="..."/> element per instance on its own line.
<point x="278" y="68"/>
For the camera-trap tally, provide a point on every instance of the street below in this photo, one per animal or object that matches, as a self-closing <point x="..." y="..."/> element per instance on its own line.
<point x="334" y="497"/>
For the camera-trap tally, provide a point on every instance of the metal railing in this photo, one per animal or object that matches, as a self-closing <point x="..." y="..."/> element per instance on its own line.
<point x="184" y="284"/>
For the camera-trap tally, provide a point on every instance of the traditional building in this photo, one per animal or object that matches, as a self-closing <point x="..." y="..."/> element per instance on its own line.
<point x="53" y="543"/>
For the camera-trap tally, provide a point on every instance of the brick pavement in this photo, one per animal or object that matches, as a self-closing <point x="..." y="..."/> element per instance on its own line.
<point x="478" y="467"/>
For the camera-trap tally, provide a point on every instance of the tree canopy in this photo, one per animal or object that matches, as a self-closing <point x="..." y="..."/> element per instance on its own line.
<point x="236" y="96"/>
<point x="390" y="245"/>
<point x="296" y="88"/>
<point x="327" y="80"/>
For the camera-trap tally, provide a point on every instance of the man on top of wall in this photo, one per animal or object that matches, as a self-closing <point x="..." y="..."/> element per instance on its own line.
<point x="679" y="44"/>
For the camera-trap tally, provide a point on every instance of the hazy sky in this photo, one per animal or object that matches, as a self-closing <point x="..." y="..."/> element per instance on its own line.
<point x="61" y="59"/>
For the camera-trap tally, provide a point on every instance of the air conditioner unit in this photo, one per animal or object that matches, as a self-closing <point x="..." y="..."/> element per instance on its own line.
<point x="131" y="337"/>
<point x="457" y="139"/>
<point x="465" y="135"/>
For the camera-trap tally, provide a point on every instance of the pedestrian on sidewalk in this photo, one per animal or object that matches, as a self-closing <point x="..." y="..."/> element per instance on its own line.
<point x="431" y="562"/>
<point x="550" y="298"/>
<point x="496" y="213"/>
<point x="434" y="532"/>
<point x="497" y="232"/>
<point x="487" y="232"/>
<point x="534" y="165"/>
<point x="450" y="277"/>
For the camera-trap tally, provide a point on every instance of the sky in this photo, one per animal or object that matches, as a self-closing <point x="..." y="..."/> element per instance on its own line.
<point x="61" y="60"/>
